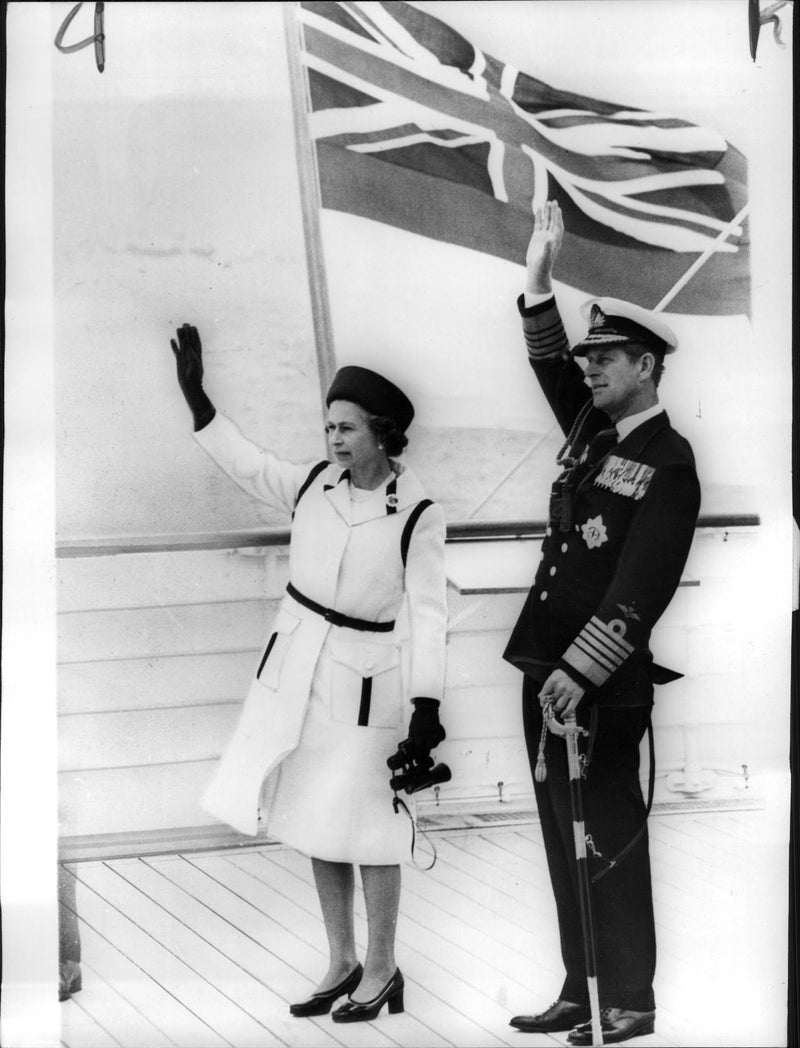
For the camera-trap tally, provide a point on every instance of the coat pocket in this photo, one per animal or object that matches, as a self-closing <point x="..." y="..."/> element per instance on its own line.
<point x="269" y="669"/>
<point x="366" y="684"/>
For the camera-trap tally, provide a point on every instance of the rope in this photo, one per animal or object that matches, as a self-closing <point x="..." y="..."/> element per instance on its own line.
<point x="562" y="458"/>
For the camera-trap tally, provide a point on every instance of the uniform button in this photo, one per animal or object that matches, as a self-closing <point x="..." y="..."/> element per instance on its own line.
<point x="549" y="531"/>
<point x="543" y="596"/>
<point x="564" y="547"/>
<point x="368" y="664"/>
<point x="552" y="571"/>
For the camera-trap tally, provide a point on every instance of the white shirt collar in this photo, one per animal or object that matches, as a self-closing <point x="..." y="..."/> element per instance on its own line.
<point x="628" y="424"/>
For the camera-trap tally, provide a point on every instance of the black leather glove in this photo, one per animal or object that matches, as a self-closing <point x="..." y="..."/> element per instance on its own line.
<point x="424" y="730"/>
<point x="189" y="359"/>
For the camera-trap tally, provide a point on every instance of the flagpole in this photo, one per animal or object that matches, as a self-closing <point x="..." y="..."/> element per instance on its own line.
<point x="510" y="473"/>
<point x="310" y="200"/>
<point x="702" y="259"/>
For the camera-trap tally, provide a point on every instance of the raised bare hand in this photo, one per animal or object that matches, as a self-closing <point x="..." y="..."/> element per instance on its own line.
<point x="543" y="248"/>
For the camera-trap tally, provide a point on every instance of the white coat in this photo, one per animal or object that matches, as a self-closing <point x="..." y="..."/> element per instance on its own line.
<point x="351" y="562"/>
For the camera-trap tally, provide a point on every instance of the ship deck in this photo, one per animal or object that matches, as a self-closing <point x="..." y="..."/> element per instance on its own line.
<point x="208" y="948"/>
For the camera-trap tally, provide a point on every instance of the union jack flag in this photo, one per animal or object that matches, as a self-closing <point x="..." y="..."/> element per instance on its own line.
<point x="416" y="127"/>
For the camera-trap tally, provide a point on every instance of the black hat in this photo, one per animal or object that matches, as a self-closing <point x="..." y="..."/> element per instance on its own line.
<point x="373" y="392"/>
<point x="613" y="322"/>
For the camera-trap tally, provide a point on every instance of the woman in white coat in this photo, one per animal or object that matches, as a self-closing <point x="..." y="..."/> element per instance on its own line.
<point x="354" y="665"/>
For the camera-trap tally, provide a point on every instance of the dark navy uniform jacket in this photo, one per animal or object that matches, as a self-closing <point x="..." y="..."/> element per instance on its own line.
<point x="603" y="583"/>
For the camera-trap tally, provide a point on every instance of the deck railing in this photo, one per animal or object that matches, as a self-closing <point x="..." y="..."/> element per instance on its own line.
<point x="458" y="531"/>
<point x="156" y="652"/>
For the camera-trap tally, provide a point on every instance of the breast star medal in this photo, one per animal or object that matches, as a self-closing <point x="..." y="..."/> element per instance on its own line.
<point x="594" y="532"/>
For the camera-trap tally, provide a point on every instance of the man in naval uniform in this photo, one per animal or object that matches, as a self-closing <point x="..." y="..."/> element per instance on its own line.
<point x="622" y="518"/>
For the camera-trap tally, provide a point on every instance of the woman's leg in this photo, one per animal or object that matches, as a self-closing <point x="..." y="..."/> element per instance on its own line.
<point x="335" y="883"/>
<point x="382" y="898"/>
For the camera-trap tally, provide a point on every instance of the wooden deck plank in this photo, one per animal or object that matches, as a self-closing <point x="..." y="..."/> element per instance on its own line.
<point x="503" y="956"/>
<point x="473" y="948"/>
<point x="291" y="959"/>
<point x="120" y="949"/>
<point x="515" y="861"/>
<point x="480" y="858"/>
<point x="280" y="926"/>
<point x="251" y="894"/>
<point x="292" y="874"/>
<point x="432" y="988"/>
<point x="491" y="851"/>
<point x="284" y="918"/>
<point x="257" y="880"/>
<point x="181" y="961"/>
<point x="113" y="1012"/>
<point x="518" y="852"/>
<point x="136" y="985"/>
<point x="258" y="990"/>
<point x="477" y="914"/>
<point x="678" y="864"/>
<point x="454" y="870"/>
<point x="681" y="938"/>
<point x="78" y="1027"/>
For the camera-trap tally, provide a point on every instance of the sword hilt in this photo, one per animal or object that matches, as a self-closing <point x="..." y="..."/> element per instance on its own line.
<point x="569" y="726"/>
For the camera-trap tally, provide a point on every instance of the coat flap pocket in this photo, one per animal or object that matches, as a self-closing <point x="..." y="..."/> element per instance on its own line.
<point x="364" y="657"/>
<point x="269" y="670"/>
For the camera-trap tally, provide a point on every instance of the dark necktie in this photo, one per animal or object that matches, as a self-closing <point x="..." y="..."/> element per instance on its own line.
<point x="600" y="445"/>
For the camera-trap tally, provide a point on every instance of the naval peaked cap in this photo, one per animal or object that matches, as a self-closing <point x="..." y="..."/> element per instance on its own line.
<point x="615" y="323"/>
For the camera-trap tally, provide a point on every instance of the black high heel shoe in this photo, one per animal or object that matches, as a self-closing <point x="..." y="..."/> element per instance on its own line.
<point x="321" y="1003"/>
<point x="361" y="1011"/>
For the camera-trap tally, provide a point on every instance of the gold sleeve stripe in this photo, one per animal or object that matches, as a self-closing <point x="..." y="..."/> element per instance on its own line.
<point x="597" y="651"/>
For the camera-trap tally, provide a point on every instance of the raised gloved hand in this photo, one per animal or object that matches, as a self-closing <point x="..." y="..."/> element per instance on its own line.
<point x="425" y="732"/>
<point x="189" y="359"/>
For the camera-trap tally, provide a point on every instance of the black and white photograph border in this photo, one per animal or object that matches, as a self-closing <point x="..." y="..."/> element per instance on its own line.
<point x="178" y="184"/>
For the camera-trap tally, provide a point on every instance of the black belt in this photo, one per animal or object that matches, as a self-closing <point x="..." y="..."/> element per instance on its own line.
<point x="336" y="618"/>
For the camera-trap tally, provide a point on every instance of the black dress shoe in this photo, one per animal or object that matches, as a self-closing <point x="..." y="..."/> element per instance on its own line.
<point x="616" y="1024"/>
<point x="361" y="1011"/>
<point x="562" y="1015"/>
<point x="321" y="1003"/>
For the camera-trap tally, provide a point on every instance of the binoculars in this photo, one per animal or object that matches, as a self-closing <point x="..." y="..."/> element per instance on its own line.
<point x="561" y="498"/>
<point x="414" y="775"/>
